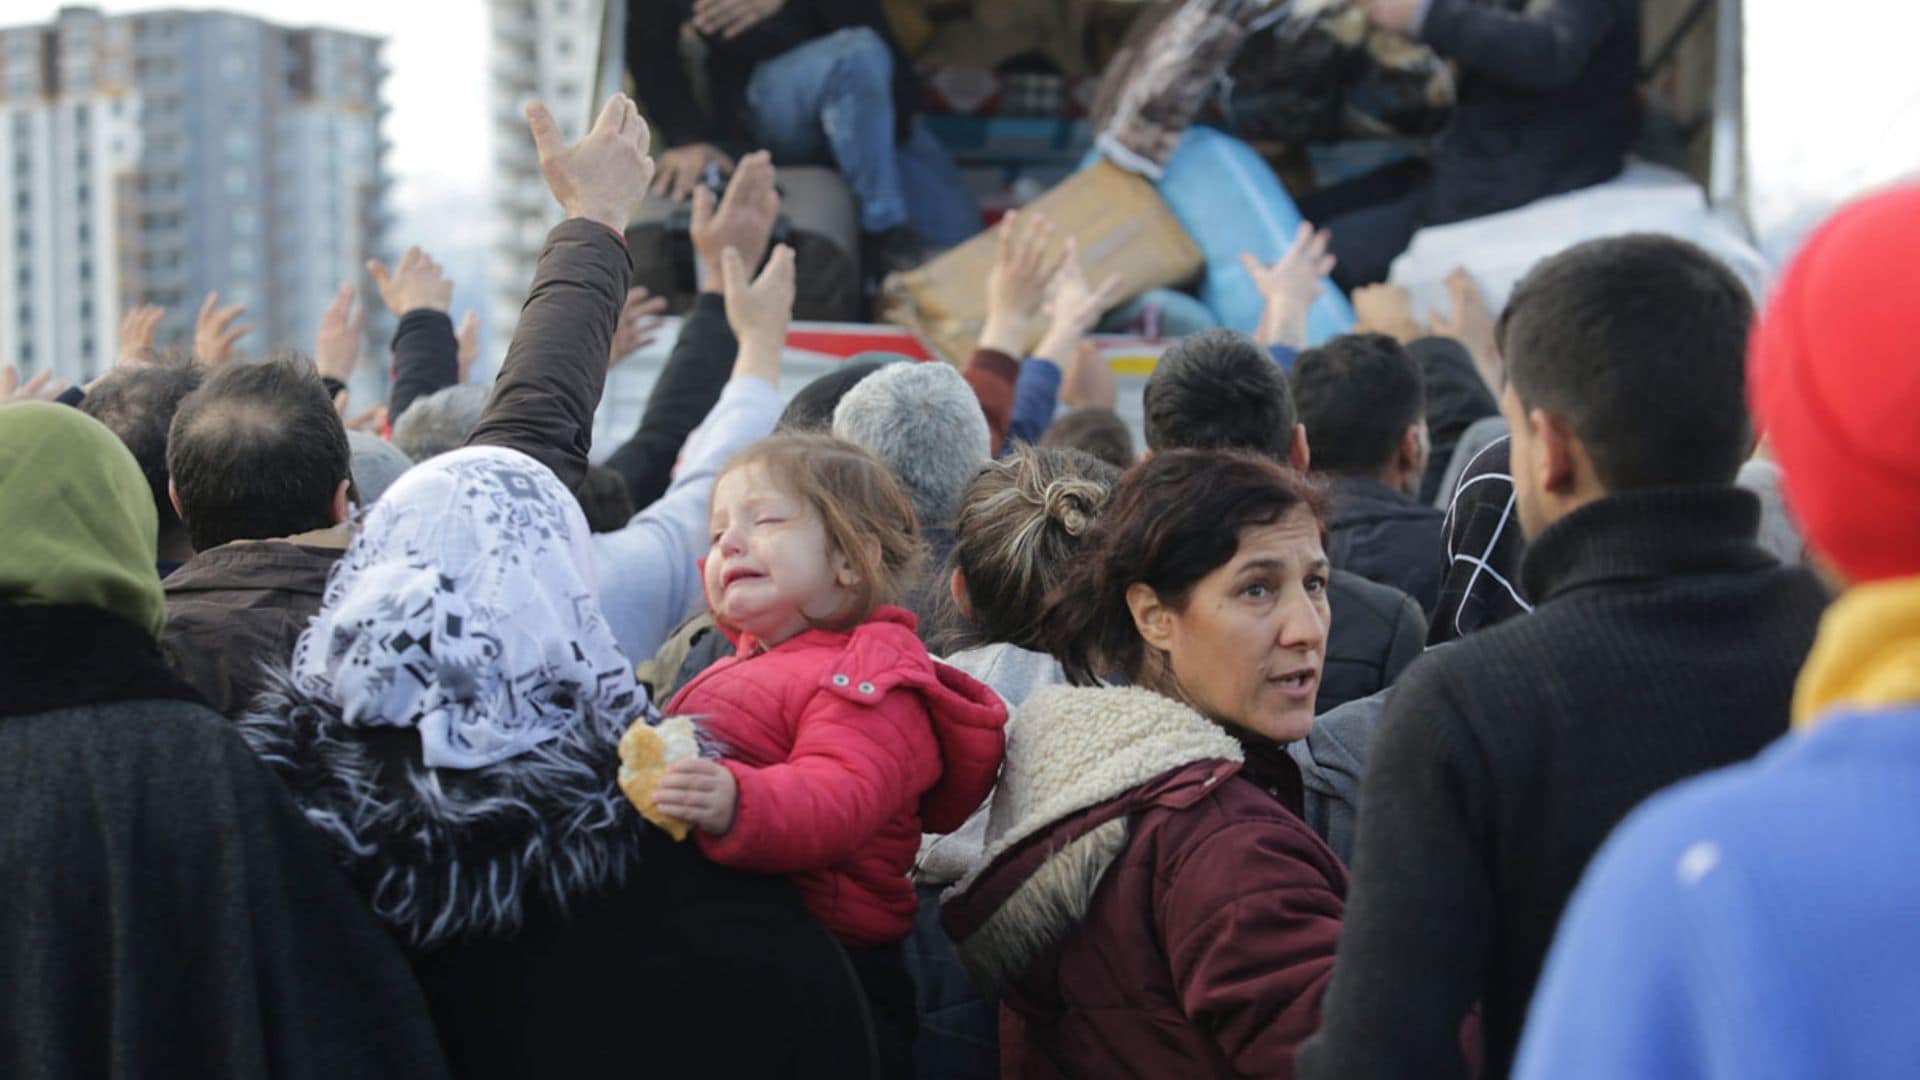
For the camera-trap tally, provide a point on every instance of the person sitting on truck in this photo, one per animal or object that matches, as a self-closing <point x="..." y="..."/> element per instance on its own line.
<point x="1545" y="105"/>
<point x="813" y="81"/>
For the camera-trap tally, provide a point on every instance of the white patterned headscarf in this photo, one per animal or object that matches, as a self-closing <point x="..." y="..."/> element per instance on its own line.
<point x="466" y="607"/>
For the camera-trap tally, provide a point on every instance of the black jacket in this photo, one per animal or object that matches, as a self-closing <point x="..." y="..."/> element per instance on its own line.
<point x="1545" y="104"/>
<point x="553" y="931"/>
<point x="661" y="82"/>
<point x="426" y="358"/>
<point x="1665" y="644"/>
<point x="1377" y="631"/>
<point x="1457" y="398"/>
<point x="684" y="393"/>
<point x="1385" y="536"/>
<point x="166" y="910"/>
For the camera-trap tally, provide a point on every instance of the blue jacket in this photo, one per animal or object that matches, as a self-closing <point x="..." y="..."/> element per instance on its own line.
<point x="1759" y="921"/>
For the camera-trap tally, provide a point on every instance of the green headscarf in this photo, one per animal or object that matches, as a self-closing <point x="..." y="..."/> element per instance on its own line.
<point x="77" y="523"/>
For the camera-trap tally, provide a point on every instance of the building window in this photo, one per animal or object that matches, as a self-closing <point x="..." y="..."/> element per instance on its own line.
<point x="26" y="352"/>
<point x="23" y="202"/>
<point x="86" y="343"/>
<point x="86" y="274"/>
<point x="86" y="310"/>
<point x="82" y="192"/>
<point x="86" y="233"/>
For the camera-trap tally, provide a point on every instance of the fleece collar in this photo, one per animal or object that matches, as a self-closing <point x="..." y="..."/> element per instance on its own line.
<point x="1077" y="747"/>
<point x="1867" y="654"/>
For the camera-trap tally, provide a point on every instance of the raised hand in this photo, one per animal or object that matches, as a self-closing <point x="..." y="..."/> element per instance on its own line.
<point x="373" y="421"/>
<point x="699" y="792"/>
<point x="1385" y="309"/>
<point x="605" y="176"/>
<point x="1088" y="381"/>
<point x="677" y="173"/>
<point x="1073" y="308"/>
<point x="639" y="324"/>
<point x="730" y="18"/>
<point x="1398" y="16"/>
<point x="743" y="220"/>
<point x="336" y="348"/>
<point x="467" y="336"/>
<point x="214" y="332"/>
<point x="42" y="387"/>
<point x="137" y="328"/>
<point x="1290" y="286"/>
<point x="415" y="282"/>
<point x="1471" y="324"/>
<point x="1025" y="260"/>
<point x="759" y="312"/>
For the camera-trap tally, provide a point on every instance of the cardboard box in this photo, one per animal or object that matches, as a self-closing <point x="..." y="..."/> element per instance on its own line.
<point x="1122" y="226"/>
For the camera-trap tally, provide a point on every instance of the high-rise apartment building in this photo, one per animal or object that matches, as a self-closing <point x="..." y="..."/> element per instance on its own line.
<point x="155" y="157"/>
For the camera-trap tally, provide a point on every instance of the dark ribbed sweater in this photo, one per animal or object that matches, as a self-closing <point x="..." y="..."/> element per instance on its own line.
<point x="1665" y="644"/>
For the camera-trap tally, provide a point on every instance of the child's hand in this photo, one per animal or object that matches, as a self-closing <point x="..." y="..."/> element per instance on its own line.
<point x="1025" y="261"/>
<point x="1290" y="287"/>
<point x="700" y="792"/>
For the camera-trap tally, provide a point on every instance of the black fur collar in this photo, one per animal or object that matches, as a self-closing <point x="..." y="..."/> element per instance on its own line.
<point x="449" y="853"/>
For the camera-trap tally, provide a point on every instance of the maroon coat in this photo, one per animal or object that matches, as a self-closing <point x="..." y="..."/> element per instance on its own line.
<point x="1145" y="908"/>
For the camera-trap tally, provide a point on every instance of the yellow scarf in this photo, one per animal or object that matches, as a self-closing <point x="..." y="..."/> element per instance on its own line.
<point x="1867" y="654"/>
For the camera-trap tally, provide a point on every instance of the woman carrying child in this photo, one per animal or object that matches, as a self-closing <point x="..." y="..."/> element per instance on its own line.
<point x="840" y="739"/>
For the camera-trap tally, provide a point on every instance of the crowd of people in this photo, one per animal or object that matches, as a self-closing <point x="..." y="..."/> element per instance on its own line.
<point x="1446" y="700"/>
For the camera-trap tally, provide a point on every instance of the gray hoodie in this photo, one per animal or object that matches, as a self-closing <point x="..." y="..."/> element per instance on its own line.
<point x="1016" y="674"/>
<point x="1332" y="760"/>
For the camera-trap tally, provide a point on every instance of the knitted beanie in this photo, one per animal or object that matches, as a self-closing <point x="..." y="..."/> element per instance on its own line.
<point x="1834" y="378"/>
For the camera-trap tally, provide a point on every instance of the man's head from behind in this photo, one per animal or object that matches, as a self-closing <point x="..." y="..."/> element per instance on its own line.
<point x="1625" y="361"/>
<point x="925" y="422"/>
<point x="1217" y="390"/>
<point x="1362" y="399"/>
<point x="138" y="404"/>
<point x="258" y="453"/>
<point x="440" y="421"/>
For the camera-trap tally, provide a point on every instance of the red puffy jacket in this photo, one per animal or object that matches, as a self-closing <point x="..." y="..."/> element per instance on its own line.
<point x="846" y="748"/>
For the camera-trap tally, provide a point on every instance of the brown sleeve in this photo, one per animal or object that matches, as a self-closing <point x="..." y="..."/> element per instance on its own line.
<point x="556" y="367"/>
<point x="992" y="374"/>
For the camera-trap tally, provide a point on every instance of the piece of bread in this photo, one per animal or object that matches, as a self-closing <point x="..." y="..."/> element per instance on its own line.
<point x="645" y="753"/>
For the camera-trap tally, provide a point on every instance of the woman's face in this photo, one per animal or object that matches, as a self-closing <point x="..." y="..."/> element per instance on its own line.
<point x="1249" y="646"/>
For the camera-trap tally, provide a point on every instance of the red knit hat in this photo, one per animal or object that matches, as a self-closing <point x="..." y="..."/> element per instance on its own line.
<point x="1834" y="376"/>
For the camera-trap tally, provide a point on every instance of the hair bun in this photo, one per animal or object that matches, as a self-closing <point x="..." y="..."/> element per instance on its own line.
<point x="1073" y="503"/>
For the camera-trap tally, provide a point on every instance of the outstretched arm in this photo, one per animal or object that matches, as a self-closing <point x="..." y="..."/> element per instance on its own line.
<point x="702" y="359"/>
<point x="556" y="367"/>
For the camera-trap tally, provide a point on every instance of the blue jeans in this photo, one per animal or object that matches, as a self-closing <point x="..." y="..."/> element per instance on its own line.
<point x="831" y="99"/>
